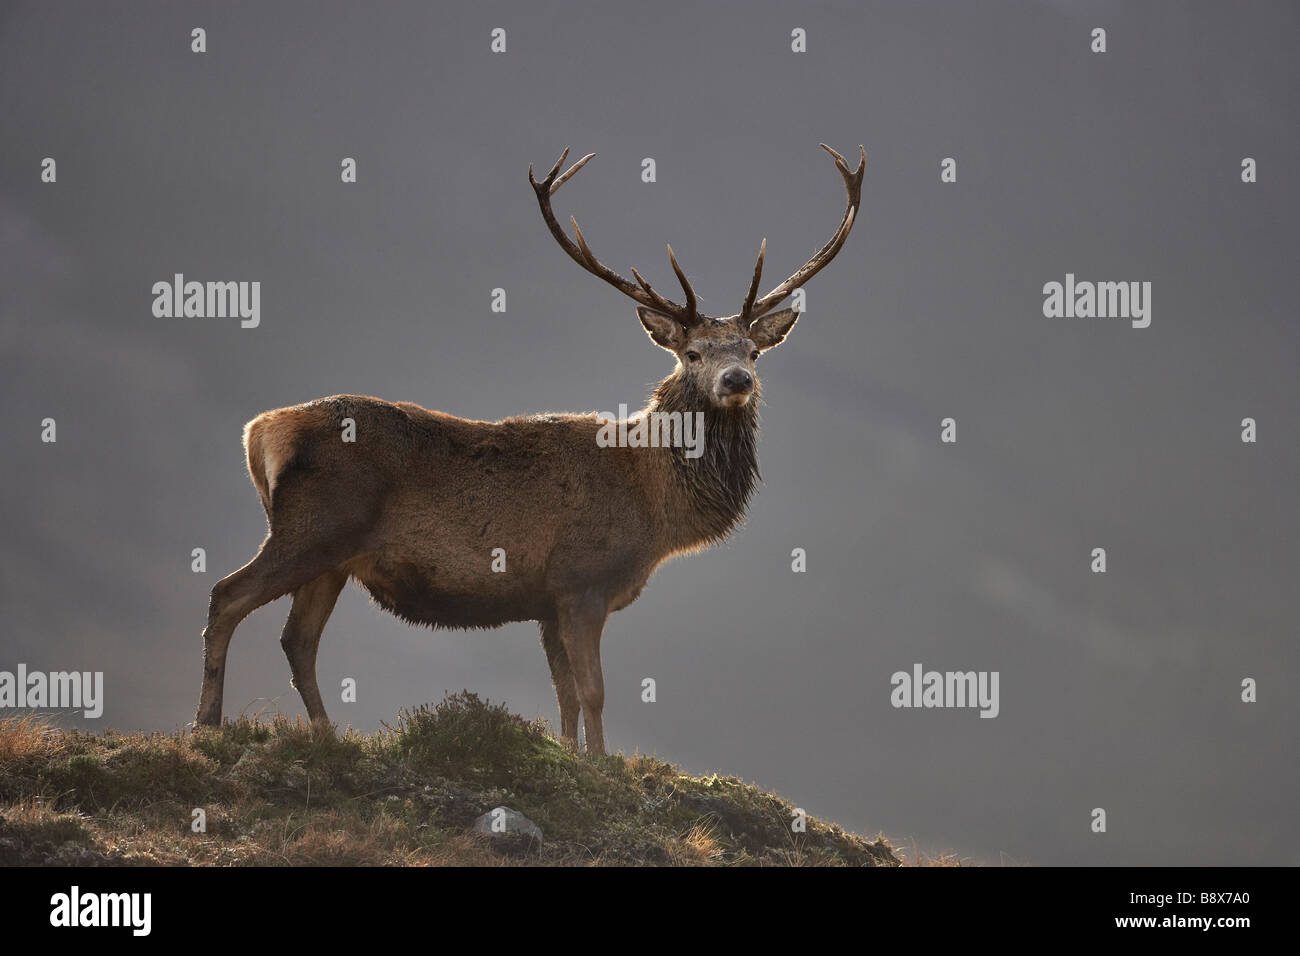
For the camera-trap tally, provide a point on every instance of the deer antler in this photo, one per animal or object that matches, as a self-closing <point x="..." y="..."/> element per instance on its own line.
<point x="581" y="253"/>
<point x="853" y="187"/>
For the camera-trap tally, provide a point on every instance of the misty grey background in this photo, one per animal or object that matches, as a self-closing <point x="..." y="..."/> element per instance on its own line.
<point x="1118" y="690"/>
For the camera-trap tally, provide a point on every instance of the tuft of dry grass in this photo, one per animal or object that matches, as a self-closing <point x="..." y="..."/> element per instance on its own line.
<point x="24" y="737"/>
<point x="698" y="846"/>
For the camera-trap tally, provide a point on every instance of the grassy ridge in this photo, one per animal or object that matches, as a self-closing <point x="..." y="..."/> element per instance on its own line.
<point x="278" y="793"/>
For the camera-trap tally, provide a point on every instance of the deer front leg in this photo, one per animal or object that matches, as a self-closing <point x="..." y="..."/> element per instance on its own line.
<point x="566" y="692"/>
<point x="581" y="620"/>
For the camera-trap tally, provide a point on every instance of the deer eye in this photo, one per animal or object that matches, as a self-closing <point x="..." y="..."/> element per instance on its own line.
<point x="693" y="356"/>
<point x="753" y="356"/>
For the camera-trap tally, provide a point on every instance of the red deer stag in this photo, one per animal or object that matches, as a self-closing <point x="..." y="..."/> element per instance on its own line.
<point x="415" y="505"/>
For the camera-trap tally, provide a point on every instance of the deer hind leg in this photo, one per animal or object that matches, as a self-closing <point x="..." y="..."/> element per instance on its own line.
<point x="566" y="692"/>
<point x="312" y="605"/>
<point x="581" y="622"/>
<point x="277" y="569"/>
<point x="317" y="519"/>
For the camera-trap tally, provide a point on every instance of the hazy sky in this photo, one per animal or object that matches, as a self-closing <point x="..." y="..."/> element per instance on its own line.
<point x="1118" y="690"/>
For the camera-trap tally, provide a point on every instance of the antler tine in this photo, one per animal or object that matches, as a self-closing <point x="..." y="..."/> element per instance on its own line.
<point x="840" y="161"/>
<point x="852" y="179"/>
<point x="690" y="316"/>
<point x="581" y="253"/>
<point x="568" y="173"/>
<point x="664" y="304"/>
<point x="823" y="256"/>
<point x="587" y="254"/>
<point x="746" y="314"/>
<point x="554" y="169"/>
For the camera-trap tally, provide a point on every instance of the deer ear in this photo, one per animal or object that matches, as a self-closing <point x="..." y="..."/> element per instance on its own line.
<point x="771" y="329"/>
<point x="666" y="331"/>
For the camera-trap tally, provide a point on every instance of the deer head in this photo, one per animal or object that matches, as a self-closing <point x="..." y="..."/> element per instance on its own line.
<point x="716" y="354"/>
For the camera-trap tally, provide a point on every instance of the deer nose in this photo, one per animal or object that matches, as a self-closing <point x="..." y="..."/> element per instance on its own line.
<point x="737" y="380"/>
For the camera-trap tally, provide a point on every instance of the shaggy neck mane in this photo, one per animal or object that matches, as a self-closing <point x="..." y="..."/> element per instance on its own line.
<point x="709" y="494"/>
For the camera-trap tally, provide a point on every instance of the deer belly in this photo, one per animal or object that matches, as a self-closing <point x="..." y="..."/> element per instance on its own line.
<point x="422" y="595"/>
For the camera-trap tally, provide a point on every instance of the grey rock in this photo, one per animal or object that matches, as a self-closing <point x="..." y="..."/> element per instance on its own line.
<point x="508" y="822"/>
